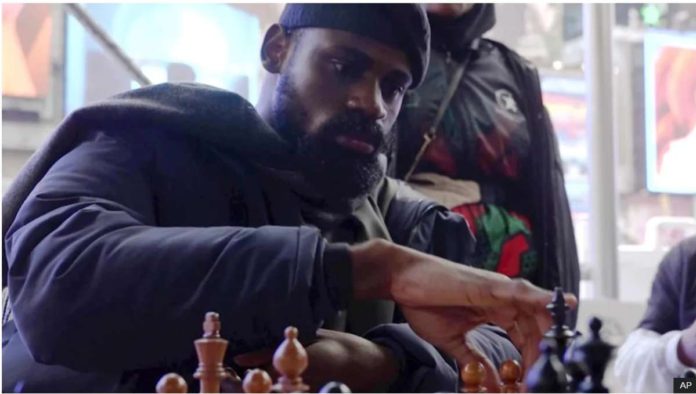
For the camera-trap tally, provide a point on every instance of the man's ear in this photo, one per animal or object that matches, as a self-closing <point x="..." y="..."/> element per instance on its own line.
<point x="276" y="45"/>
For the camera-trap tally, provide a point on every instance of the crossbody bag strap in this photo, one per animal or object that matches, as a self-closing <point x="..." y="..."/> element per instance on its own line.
<point x="430" y="133"/>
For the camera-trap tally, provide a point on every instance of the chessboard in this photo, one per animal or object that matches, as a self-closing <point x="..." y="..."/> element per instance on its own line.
<point x="567" y="363"/>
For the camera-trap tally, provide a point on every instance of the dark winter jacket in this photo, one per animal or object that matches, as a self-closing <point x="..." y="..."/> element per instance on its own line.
<point x="144" y="212"/>
<point x="672" y="302"/>
<point x="496" y="132"/>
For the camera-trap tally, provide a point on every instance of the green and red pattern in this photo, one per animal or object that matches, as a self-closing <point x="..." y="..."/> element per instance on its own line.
<point x="503" y="239"/>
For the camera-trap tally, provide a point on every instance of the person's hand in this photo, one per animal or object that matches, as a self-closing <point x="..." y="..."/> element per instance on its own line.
<point x="686" y="349"/>
<point x="355" y="361"/>
<point x="443" y="300"/>
<point x="443" y="327"/>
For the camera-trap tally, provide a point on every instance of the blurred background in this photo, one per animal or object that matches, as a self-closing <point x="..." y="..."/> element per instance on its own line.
<point x="637" y="202"/>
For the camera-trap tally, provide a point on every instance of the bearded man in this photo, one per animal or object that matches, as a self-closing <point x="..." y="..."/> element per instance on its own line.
<point x="147" y="210"/>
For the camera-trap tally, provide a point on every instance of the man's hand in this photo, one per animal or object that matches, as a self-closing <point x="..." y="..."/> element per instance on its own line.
<point x="361" y="364"/>
<point x="443" y="300"/>
<point x="445" y="328"/>
<point x="686" y="350"/>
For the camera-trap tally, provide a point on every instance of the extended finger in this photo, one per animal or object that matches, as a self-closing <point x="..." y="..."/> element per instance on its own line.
<point x="521" y="293"/>
<point x="571" y="300"/>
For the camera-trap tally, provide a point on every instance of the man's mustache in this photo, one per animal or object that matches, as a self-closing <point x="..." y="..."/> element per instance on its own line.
<point x="354" y="125"/>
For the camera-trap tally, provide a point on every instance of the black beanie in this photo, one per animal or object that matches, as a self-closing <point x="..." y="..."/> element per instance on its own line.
<point x="401" y="26"/>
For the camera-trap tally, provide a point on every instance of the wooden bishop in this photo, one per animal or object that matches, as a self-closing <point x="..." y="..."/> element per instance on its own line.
<point x="290" y="360"/>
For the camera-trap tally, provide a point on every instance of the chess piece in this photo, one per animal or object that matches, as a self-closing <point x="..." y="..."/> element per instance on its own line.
<point x="232" y="382"/>
<point x="689" y="374"/>
<point x="575" y="368"/>
<point x="473" y="375"/>
<point x="257" y="381"/>
<point x="290" y="360"/>
<point x="547" y="374"/>
<point x="595" y="353"/>
<point x="559" y="331"/>
<point x="211" y="351"/>
<point x="172" y="383"/>
<point x="510" y="374"/>
<point x="335" y="387"/>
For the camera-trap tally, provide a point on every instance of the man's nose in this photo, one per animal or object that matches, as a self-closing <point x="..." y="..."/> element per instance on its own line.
<point x="367" y="98"/>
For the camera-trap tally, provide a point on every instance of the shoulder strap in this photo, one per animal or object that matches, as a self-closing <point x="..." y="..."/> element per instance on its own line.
<point x="430" y="132"/>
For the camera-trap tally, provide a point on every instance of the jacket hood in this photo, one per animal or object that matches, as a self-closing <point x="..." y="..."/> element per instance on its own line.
<point x="213" y="115"/>
<point x="207" y="113"/>
<point x="455" y="35"/>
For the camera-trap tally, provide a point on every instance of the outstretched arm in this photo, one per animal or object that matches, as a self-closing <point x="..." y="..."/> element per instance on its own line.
<point x="442" y="300"/>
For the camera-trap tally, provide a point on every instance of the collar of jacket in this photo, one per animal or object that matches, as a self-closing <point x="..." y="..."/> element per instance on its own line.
<point x="455" y="35"/>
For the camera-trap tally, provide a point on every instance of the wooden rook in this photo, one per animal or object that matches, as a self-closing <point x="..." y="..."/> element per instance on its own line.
<point x="171" y="383"/>
<point x="473" y="375"/>
<point x="257" y="381"/>
<point x="211" y="352"/>
<point x="290" y="360"/>
<point x="511" y="375"/>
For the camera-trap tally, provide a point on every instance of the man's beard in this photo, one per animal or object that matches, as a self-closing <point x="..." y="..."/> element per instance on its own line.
<point x="332" y="170"/>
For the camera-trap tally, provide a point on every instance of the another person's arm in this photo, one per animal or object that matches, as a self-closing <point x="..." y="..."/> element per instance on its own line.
<point x="648" y="361"/>
<point x="686" y="347"/>
<point x="655" y="352"/>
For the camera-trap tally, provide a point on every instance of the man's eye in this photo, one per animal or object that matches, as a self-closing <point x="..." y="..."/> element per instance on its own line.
<point x="346" y="69"/>
<point x="338" y="66"/>
<point x="394" y="91"/>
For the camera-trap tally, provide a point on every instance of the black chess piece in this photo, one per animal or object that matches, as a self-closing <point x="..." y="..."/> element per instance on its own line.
<point x="335" y="387"/>
<point x="547" y="375"/>
<point x="689" y="374"/>
<point x="559" y="331"/>
<point x="595" y="354"/>
<point x="575" y="367"/>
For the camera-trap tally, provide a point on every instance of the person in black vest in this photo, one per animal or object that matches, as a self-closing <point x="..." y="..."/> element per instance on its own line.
<point x="476" y="138"/>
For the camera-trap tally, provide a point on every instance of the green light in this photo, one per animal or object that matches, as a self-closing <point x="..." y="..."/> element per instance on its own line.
<point x="651" y="14"/>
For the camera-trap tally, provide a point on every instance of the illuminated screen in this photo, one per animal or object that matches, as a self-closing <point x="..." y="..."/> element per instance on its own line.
<point x="214" y="44"/>
<point x="670" y="103"/>
<point x="26" y="50"/>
